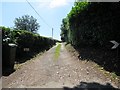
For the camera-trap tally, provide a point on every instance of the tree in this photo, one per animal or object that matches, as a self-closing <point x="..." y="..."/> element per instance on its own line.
<point x="64" y="30"/>
<point x="26" y="22"/>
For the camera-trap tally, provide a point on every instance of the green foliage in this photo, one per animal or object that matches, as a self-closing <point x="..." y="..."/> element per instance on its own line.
<point x="76" y="10"/>
<point x="26" y="22"/>
<point x="57" y="51"/>
<point x="26" y="39"/>
<point x="64" y="29"/>
<point x="5" y="35"/>
<point x="92" y="24"/>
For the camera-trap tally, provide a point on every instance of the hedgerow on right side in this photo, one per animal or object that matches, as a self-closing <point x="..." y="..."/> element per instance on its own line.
<point x="89" y="27"/>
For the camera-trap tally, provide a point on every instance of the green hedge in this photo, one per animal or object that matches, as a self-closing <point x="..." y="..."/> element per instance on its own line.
<point x="25" y="39"/>
<point x="92" y="24"/>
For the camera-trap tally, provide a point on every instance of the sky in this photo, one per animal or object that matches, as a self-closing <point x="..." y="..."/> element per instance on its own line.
<point x="51" y="11"/>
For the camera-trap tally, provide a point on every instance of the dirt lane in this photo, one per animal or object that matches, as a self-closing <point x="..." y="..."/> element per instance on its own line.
<point x="47" y="72"/>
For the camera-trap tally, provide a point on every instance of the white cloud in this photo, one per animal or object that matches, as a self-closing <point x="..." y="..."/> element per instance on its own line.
<point x="43" y="4"/>
<point x="58" y="3"/>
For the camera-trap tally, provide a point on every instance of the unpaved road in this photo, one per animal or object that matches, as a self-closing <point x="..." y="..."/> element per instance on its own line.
<point x="46" y="72"/>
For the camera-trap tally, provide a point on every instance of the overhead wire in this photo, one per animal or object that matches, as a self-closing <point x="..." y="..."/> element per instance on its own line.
<point x="38" y="14"/>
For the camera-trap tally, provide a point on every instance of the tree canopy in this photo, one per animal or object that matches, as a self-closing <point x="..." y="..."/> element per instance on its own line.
<point x="26" y="22"/>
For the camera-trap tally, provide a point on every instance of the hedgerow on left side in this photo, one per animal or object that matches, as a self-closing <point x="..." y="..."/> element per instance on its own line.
<point x="24" y="39"/>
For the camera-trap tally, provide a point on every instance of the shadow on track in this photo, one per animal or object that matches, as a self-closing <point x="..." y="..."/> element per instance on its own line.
<point x="91" y="86"/>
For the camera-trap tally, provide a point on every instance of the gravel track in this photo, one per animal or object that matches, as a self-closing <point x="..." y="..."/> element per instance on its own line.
<point x="47" y="72"/>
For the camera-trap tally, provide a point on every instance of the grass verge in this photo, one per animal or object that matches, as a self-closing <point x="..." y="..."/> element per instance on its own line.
<point x="57" y="51"/>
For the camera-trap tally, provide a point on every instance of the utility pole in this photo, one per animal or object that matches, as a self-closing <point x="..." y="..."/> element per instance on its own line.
<point x="52" y="32"/>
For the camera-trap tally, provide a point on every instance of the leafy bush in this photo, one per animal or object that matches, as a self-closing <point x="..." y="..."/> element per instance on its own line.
<point x="92" y="24"/>
<point x="5" y="35"/>
<point x="25" y="39"/>
<point x="34" y="42"/>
